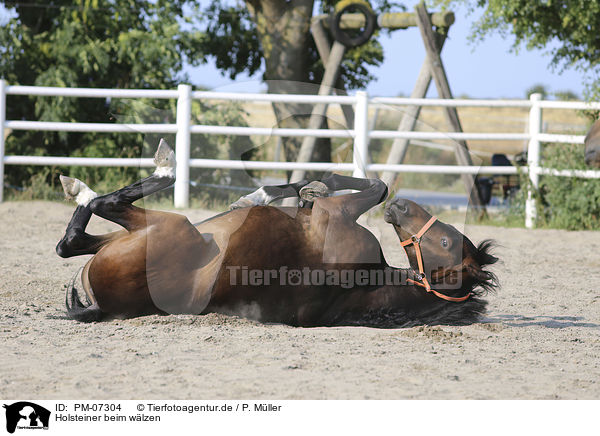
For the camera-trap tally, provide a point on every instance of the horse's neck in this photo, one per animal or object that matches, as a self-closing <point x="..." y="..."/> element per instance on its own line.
<point x="402" y="303"/>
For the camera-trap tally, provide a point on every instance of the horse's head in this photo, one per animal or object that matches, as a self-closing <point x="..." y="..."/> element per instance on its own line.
<point x="443" y="256"/>
<point x="592" y="146"/>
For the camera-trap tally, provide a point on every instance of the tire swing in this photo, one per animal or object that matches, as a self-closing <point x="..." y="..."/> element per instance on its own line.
<point x="354" y="7"/>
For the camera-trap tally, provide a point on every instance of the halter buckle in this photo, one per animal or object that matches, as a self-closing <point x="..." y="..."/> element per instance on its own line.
<point x="415" y="239"/>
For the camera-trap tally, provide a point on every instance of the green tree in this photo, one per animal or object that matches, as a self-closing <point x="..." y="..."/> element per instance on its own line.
<point x="538" y="88"/>
<point x="566" y="95"/>
<point x="571" y="24"/>
<point x="91" y="43"/>
<point x="144" y="44"/>
<point x="275" y="35"/>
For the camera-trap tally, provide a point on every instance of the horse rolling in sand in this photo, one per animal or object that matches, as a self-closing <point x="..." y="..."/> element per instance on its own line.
<point x="311" y="266"/>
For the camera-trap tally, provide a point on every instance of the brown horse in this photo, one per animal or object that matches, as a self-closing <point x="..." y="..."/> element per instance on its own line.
<point x="310" y="266"/>
<point x="592" y="145"/>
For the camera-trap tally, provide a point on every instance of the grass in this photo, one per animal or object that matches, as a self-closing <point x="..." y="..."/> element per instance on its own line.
<point x="501" y="220"/>
<point x="39" y="189"/>
<point x="165" y="202"/>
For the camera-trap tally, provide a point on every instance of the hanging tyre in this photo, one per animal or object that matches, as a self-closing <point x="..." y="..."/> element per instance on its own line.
<point x="352" y="38"/>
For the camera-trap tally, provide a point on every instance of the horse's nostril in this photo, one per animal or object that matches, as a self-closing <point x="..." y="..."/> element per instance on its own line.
<point x="592" y="157"/>
<point x="395" y="211"/>
<point x="402" y="208"/>
<point x="388" y="216"/>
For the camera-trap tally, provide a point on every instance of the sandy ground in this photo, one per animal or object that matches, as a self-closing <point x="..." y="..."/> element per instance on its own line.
<point x="541" y="339"/>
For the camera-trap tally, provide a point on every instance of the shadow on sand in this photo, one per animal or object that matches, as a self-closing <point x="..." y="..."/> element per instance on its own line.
<point x="553" y="322"/>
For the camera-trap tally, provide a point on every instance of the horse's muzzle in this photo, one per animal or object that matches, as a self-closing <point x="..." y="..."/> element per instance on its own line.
<point x="592" y="158"/>
<point x="395" y="212"/>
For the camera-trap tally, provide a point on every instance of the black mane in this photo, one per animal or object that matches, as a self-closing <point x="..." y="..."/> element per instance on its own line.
<point x="443" y="312"/>
<point x="484" y="280"/>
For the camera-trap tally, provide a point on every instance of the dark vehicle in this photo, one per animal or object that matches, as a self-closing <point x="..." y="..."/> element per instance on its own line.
<point x="502" y="186"/>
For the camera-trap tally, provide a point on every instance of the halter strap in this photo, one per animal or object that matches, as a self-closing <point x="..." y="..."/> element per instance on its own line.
<point x="424" y="283"/>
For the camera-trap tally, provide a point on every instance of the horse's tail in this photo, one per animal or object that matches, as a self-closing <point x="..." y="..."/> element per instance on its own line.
<point x="76" y="309"/>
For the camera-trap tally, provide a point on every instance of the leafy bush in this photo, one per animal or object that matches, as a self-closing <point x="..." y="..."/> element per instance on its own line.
<point x="569" y="202"/>
<point x="98" y="44"/>
<point x="35" y="182"/>
<point x="38" y="187"/>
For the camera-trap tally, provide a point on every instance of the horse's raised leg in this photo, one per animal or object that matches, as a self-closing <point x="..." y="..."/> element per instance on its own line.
<point x="371" y="192"/>
<point x="333" y="219"/>
<point x="76" y="241"/>
<point x="117" y="207"/>
<point x="268" y="194"/>
<point x="113" y="206"/>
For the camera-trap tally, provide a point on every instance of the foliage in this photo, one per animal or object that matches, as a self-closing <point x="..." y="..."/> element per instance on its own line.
<point x="104" y="44"/>
<point x="570" y="24"/>
<point x="566" y="95"/>
<point x="90" y="43"/>
<point x="134" y="44"/>
<point x="231" y="38"/>
<point x="37" y="188"/>
<point x="538" y="88"/>
<point x="562" y="202"/>
<point x="569" y="202"/>
<point x="231" y="26"/>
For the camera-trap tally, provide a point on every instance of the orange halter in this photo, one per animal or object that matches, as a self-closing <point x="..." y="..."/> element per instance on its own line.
<point x="424" y="283"/>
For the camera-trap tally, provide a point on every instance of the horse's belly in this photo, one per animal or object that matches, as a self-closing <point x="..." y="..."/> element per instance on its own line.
<point x="117" y="277"/>
<point x="152" y="272"/>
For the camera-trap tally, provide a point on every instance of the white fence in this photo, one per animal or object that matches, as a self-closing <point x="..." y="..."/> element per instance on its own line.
<point x="360" y="133"/>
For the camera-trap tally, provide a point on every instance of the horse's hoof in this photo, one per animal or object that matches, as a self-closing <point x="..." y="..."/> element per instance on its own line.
<point x="71" y="186"/>
<point x="76" y="190"/>
<point x="242" y="203"/>
<point x="314" y="190"/>
<point x="164" y="156"/>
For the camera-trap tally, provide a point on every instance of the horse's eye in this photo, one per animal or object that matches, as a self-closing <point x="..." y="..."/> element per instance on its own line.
<point x="444" y="242"/>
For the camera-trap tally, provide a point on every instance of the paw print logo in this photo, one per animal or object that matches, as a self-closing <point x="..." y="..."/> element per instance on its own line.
<point x="294" y="277"/>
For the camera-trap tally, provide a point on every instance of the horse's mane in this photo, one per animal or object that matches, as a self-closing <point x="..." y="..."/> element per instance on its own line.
<point x="483" y="281"/>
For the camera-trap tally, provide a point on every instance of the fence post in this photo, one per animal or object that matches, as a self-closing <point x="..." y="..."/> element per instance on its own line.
<point x="360" y="155"/>
<point x="2" y="120"/>
<point x="533" y="159"/>
<point x="182" y="146"/>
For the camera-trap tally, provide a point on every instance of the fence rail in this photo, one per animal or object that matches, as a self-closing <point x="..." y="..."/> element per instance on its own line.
<point x="360" y="133"/>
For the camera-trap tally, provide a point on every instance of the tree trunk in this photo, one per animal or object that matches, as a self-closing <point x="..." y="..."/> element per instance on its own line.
<point x="284" y="33"/>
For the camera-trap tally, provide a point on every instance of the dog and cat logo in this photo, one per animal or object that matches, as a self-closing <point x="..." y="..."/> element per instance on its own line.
<point x="26" y="415"/>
